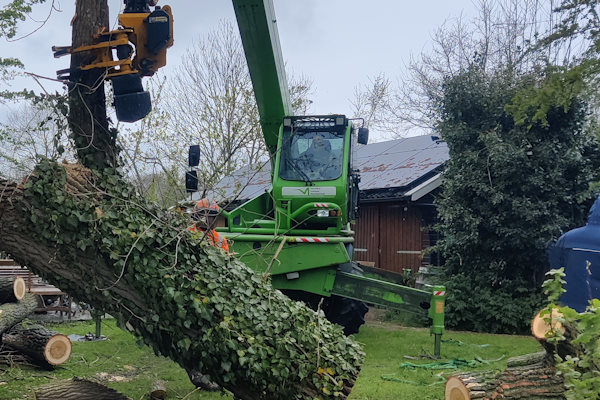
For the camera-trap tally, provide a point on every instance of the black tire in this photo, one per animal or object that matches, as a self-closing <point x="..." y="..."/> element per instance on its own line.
<point x="348" y="313"/>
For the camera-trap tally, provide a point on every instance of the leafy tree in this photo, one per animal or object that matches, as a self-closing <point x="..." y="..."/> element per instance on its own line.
<point x="494" y="39"/>
<point x="508" y="189"/>
<point x="33" y="130"/>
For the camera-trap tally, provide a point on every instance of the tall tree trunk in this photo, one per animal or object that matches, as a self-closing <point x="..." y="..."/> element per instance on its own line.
<point x="94" y="140"/>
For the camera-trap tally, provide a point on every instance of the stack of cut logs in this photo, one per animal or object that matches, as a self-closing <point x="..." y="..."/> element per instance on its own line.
<point x="25" y="343"/>
<point x="532" y="376"/>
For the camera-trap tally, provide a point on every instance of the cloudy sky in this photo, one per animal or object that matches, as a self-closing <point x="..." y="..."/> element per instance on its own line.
<point x="338" y="44"/>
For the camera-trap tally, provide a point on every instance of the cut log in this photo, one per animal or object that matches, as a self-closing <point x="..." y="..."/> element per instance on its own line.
<point x="532" y="376"/>
<point x="12" y="289"/>
<point x="19" y="288"/>
<point x="13" y="313"/>
<point x="77" y="389"/>
<point x="92" y="236"/>
<point x="44" y="346"/>
<point x="159" y="390"/>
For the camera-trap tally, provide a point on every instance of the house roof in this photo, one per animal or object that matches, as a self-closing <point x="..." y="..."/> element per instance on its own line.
<point x="399" y="163"/>
<point x="387" y="169"/>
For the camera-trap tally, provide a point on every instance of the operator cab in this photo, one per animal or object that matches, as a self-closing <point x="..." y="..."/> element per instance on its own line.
<point x="312" y="150"/>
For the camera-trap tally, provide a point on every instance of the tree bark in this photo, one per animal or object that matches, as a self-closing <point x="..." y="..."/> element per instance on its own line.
<point x="77" y="389"/>
<point x="85" y="233"/>
<point x="95" y="142"/>
<point x="13" y="313"/>
<point x="12" y="357"/>
<point x="48" y="348"/>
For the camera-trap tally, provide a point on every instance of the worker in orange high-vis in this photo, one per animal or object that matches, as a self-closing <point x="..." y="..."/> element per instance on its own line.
<point x="205" y="216"/>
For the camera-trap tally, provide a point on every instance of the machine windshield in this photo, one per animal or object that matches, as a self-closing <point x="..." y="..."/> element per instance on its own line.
<point x="311" y="156"/>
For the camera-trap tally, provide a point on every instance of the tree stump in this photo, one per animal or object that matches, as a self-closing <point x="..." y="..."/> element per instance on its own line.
<point x="159" y="390"/>
<point x="540" y="329"/>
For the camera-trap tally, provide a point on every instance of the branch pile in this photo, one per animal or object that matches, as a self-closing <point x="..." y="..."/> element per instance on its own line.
<point x="92" y="236"/>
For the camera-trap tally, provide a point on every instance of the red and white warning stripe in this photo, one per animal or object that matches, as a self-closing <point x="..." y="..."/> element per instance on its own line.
<point x="439" y="293"/>
<point x="321" y="204"/>
<point x="311" y="240"/>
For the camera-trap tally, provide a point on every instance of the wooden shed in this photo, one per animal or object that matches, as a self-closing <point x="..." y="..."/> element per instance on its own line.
<point x="399" y="181"/>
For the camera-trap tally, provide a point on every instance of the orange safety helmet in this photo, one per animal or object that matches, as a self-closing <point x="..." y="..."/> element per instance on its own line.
<point x="207" y="206"/>
<point x="203" y="210"/>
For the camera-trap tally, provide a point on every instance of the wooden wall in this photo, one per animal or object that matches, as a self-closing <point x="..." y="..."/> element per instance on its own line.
<point x="390" y="235"/>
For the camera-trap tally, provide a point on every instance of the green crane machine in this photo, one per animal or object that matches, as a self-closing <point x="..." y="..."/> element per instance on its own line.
<point x="299" y="231"/>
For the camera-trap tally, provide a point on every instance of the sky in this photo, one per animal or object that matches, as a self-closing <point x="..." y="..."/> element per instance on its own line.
<point x="338" y="44"/>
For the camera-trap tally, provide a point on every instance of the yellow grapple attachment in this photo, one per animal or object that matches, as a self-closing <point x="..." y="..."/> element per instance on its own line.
<point x="140" y="44"/>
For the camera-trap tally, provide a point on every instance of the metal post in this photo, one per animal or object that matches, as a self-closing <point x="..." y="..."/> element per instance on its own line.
<point x="437" y="346"/>
<point x="97" y="316"/>
<point x="436" y="313"/>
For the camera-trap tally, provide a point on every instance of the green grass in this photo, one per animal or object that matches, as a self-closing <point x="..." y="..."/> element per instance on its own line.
<point x="385" y="345"/>
<point x="119" y="357"/>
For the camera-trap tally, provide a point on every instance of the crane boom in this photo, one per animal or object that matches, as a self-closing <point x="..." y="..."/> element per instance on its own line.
<point x="258" y="29"/>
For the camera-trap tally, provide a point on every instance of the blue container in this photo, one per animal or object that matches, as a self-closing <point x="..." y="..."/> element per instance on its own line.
<point x="578" y="251"/>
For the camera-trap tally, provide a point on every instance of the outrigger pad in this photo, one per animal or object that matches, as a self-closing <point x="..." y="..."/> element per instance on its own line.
<point x="132" y="103"/>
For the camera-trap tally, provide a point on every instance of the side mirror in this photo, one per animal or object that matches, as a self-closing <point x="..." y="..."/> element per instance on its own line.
<point x="363" y="135"/>
<point x="194" y="156"/>
<point x="191" y="181"/>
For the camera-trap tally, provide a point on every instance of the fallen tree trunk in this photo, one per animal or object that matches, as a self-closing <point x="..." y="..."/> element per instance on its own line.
<point x="11" y="289"/>
<point x="92" y="236"/>
<point x="77" y="389"/>
<point x="13" y="313"/>
<point x="532" y="376"/>
<point x="48" y="348"/>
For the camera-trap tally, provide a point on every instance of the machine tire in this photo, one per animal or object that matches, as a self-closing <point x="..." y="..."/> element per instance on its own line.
<point x="348" y="313"/>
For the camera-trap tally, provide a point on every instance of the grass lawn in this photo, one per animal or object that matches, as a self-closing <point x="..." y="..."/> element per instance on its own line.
<point x="122" y="365"/>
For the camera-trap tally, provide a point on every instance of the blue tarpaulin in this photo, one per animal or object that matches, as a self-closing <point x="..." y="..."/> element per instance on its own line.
<point x="578" y="251"/>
